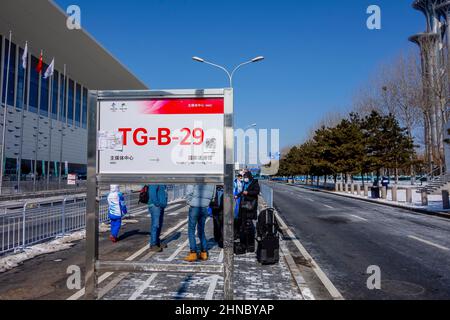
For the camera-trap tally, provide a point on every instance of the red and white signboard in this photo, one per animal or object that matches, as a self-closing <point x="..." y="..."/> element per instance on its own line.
<point x="71" y="179"/>
<point x="161" y="136"/>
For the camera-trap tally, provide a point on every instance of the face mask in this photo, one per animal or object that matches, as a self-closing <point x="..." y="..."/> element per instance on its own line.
<point x="246" y="180"/>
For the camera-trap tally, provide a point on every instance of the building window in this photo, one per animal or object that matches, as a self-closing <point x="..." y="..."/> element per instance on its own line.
<point x="43" y="111"/>
<point x="12" y="73"/>
<point x="84" y="116"/>
<point x="22" y="83"/>
<point x="62" y="100"/>
<point x="78" y="106"/>
<point x="34" y="85"/>
<point x="70" y="103"/>
<point x="54" y="107"/>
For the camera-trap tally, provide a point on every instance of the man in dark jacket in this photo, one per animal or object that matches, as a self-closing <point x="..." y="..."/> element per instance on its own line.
<point x="248" y="212"/>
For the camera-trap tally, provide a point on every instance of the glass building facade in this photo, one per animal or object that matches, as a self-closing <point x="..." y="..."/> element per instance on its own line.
<point x="60" y="99"/>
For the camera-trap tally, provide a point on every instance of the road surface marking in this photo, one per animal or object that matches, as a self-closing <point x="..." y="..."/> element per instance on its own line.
<point x="429" y="243"/>
<point x="214" y="280"/>
<point x="145" y="211"/>
<point x="173" y="214"/>
<point x="106" y="275"/>
<point x="142" y="288"/>
<point x="318" y="271"/>
<point x="309" y="199"/>
<point x="113" y="283"/>
<point x="145" y="285"/>
<point x="327" y="206"/>
<point x="177" y="252"/>
<point x="358" y="217"/>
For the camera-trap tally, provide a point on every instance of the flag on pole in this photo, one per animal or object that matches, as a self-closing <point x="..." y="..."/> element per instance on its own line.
<point x="50" y="70"/>
<point x="40" y="64"/>
<point x="56" y="168"/>
<point x="25" y="56"/>
<point x="43" y="168"/>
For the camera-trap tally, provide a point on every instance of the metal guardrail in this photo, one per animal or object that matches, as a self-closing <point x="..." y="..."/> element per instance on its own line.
<point x="12" y="187"/>
<point x="267" y="194"/>
<point x="39" y="222"/>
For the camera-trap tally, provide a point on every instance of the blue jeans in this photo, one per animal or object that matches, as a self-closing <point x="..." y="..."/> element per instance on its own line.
<point x="197" y="218"/>
<point x="157" y="215"/>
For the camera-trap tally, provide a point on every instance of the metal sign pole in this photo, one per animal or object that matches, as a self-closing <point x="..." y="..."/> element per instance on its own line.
<point x="228" y="232"/>
<point x="92" y="203"/>
<point x="97" y="179"/>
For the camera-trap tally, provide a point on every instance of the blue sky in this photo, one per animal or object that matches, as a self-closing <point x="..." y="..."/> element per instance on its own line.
<point x="318" y="53"/>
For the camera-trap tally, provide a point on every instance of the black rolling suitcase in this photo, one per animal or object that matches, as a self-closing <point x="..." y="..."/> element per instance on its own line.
<point x="268" y="249"/>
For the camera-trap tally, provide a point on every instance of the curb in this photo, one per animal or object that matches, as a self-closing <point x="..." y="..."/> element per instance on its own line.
<point x="417" y="210"/>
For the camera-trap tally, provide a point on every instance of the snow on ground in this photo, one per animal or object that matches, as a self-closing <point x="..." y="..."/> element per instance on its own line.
<point x="434" y="201"/>
<point x="14" y="260"/>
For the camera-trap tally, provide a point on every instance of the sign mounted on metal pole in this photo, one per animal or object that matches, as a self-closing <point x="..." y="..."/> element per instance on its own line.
<point x="153" y="137"/>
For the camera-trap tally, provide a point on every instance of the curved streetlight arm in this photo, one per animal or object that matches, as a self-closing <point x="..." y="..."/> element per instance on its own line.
<point x="236" y="69"/>
<point x="230" y="77"/>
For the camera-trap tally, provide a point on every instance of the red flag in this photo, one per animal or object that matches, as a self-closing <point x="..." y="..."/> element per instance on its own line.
<point x="40" y="64"/>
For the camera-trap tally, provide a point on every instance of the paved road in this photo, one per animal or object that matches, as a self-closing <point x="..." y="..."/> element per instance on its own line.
<point x="346" y="236"/>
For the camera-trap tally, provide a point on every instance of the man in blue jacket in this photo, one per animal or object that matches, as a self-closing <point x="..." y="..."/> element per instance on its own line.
<point x="198" y="198"/>
<point x="156" y="205"/>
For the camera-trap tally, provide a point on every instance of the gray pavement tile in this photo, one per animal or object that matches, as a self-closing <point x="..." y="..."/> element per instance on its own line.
<point x="252" y="281"/>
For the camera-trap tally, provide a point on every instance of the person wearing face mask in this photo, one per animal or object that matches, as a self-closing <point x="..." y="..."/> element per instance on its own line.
<point x="248" y="211"/>
<point x="237" y="191"/>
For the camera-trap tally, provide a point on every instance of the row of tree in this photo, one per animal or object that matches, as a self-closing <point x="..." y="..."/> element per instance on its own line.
<point x="374" y="143"/>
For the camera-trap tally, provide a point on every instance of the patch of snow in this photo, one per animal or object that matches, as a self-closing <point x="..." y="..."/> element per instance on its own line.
<point x="435" y="203"/>
<point x="14" y="260"/>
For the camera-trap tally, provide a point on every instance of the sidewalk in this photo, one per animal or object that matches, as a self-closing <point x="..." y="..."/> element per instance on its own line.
<point x="434" y="202"/>
<point x="252" y="281"/>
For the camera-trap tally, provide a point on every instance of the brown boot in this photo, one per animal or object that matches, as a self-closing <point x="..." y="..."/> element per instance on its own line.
<point x="203" y="256"/>
<point x="155" y="249"/>
<point x="191" y="257"/>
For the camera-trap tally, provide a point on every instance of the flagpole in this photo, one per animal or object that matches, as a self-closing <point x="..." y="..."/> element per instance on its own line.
<point x="50" y="133"/>
<point x="51" y="124"/>
<point x="25" y="78"/>
<point x="62" y="128"/>
<point x="5" y="112"/>
<point x="37" y="128"/>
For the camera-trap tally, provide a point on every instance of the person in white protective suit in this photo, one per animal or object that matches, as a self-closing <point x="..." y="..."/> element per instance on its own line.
<point x="116" y="210"/>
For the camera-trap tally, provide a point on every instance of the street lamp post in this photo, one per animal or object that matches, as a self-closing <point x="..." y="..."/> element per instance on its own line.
<point x="230" y="74"/>
<point x="228" y="229"/>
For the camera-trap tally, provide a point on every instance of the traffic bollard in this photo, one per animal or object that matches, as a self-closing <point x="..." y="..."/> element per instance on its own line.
<point x="366" y="190"/>
<point x="424" y="198"/>
<point x="394" y="192"/>
<point x="358" y="190"/>
<point x="445" y="200"/>
<point x="352" y="188"/>
<point x="384" y="193"/>
<point x="409" y="195"/>
<point x="345" y="187"/>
